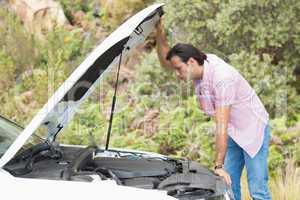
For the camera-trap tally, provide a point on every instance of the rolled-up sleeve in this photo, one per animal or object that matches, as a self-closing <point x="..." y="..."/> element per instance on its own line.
<point x="225" y="93"/>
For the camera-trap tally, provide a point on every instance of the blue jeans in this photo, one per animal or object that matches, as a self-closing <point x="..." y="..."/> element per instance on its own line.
<point x="257" y="168"/>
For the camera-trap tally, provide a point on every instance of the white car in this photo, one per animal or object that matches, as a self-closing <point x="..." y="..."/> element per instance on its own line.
<point x="34" y="168"/>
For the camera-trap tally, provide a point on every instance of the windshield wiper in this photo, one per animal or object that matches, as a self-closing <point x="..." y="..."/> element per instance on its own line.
<point x="32" y="151"/>
<point x="33" y="155"/>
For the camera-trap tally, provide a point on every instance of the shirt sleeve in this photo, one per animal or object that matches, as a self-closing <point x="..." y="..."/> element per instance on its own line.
<point x="225" y="93"/>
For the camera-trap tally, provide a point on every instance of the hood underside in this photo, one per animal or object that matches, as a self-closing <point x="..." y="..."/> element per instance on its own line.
<point x="61" y="107"/>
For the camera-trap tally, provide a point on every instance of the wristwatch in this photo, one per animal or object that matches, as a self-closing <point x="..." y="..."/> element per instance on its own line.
<point x="219" y="166"/>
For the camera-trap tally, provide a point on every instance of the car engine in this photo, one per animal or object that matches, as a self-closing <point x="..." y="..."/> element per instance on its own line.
<point x="182" y="179"/>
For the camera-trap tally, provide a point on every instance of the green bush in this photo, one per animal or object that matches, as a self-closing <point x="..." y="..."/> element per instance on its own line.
<point x="7" y="71"/>
<point x="288" y="149"/>
<point x="269" y="81"/>
<point x="260" y="38"/>
<point x="70" y="7"/>
<point x="26" y="61"/>
<point x="113" y="13"/>
<point x="16" y="43"/>
<point x="276" y="160"/>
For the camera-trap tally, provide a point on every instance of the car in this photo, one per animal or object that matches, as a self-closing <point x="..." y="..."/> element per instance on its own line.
<point x="35" y="167"/>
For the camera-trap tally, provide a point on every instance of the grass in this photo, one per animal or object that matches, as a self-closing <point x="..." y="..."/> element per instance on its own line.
<point x="285" y="186"/>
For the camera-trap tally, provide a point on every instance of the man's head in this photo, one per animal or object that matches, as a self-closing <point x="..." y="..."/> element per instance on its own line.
<point x="187" y="60"/>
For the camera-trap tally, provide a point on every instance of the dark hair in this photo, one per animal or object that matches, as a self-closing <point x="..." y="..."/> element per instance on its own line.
<point x="185" y="52"/>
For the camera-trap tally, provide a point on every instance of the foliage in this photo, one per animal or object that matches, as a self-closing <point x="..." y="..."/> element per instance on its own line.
<point x="286" y="184"/>
<point x="7" y="71"/>
<point x="25" y="61"/>
<point x="289" y="149"/>
<point x="17" y="45"/>
<point x="113" y="13"/>
<point x="276" y="160"/>
<point x="262" y="33"/>
<point x="87" y="129"/>
<point x="156" y="112"/>
<point x="70" y="7"/>
<point x="269" y="81"/>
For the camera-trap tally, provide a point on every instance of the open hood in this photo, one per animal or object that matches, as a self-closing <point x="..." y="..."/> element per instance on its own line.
<point x="61" y="107"/>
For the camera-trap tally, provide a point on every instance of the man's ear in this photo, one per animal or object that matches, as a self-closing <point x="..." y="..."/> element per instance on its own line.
<point x="191" y="61"/>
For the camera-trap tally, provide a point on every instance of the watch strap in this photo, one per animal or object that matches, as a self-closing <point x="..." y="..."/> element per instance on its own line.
<point x="220" y="166"/>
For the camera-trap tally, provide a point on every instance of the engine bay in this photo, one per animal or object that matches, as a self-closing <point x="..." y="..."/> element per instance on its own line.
<point x="181" y="178"/>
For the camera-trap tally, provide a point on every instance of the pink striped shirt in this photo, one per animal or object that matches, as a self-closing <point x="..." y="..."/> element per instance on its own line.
<point x="223" y="85"/>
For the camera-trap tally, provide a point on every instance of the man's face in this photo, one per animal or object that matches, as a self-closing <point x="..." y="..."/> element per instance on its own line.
<point x="183" y="70"/>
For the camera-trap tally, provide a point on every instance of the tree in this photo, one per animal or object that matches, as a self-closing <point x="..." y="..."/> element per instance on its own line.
<point x="260" y="38"/>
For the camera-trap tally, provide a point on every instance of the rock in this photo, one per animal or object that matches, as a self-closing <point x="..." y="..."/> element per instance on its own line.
<point x="79" y="20"/>
<point x="149" y="123"/>
<point x="78" y="16"/>
<point x="39" y="16"/>
<point x="3" y="3"/>
<point x="275" y="140"/>
<point x="25" y="102"/>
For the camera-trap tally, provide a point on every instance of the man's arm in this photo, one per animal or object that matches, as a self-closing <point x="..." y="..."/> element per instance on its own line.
<point x="222" y="118"/>
<point x="162" y="46"/>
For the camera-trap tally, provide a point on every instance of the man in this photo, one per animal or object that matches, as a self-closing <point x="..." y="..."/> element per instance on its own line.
<point x="242" y="132"/>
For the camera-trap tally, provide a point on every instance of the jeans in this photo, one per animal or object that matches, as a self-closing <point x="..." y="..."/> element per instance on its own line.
<point x="257" y="168"/>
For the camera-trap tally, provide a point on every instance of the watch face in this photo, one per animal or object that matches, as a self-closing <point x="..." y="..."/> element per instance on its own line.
<point x="218" y="166"/>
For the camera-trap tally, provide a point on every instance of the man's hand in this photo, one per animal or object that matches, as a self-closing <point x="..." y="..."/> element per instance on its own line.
<point x="222" y="173"/>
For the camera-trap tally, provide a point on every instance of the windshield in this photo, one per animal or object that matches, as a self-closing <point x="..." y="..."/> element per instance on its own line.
<point x="9" y="131"/>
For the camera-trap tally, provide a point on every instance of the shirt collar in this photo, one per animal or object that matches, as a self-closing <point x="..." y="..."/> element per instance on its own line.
<point x="202" y="85"/>
<point x="206" y="71"/>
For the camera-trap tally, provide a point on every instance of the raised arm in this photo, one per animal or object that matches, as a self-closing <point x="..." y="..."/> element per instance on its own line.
<point x="162" y="46"/>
